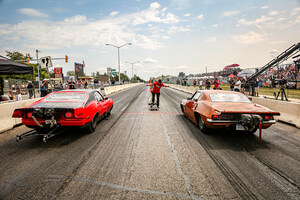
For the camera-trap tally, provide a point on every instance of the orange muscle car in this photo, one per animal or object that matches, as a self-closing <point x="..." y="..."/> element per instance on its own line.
<point x="210" y="109"/>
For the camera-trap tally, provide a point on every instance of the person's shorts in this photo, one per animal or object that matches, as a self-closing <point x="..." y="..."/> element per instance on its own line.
<point x="256" y="89"/>
<point x="236" y="90"/>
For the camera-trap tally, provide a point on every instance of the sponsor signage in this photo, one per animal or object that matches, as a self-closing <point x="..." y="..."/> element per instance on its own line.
<point x="78" y="69"/>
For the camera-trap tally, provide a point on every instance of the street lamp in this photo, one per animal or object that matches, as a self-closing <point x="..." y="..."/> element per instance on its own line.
<point x="132" y="65"/>
<point x="118" y="47"/>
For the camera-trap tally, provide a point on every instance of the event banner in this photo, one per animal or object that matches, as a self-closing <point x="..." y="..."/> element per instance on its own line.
<point x="78" y="69"/>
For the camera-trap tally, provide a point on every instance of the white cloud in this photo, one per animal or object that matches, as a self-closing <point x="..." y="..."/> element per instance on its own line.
<point x="211" y="39"/>
<point x="215" y="25"/>
<point x="150" y="60"/>
<point x="250" y="38"/>
<point x="78" y="19"/>
<point x="187" y="15"/>
<point x="114" y="13"/>
<point x="164" y="9"/>
<point x="153" y="14"/>
<point x="257" y="22"/>
<point x="273" y="13"/>
<point x="177" y="29"/>
<point x="80" y="31"/>
<point x="32" y="12"/>
<point x="264" y="7"/>
<point x="230" y="13"/>
<point x="200" y="16"/>
<point x="295" y="11"/>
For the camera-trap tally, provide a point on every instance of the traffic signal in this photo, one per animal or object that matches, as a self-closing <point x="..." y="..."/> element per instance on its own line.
<point x="66" y="58"/>
<point x="27" y="62"/>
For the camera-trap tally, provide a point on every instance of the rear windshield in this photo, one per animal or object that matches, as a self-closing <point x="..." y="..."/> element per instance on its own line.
<point x="228" y="97"/>
<point x="66" y="96"/>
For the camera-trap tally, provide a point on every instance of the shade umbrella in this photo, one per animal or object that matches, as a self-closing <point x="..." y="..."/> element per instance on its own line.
<point x="8" y="67"/>
<point x="235" y="65"/>
<point x="245" y="73"/>
<point x="231" y="75"/>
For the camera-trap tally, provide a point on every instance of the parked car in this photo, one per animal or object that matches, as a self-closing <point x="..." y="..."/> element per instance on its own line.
<point x="66" y="108"/>
<point x="213" y="109"/>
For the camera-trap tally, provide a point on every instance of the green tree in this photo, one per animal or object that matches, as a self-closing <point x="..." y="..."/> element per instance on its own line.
<point x="71" y="73"/>
<point x="124" y="77"/>
<point x="181" y="74"/>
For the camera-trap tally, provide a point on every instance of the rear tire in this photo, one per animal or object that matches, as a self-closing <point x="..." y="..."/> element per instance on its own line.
<point x="253" y="131"/>
<point x="92" y="126"/>
<point x="203" y="128"/>
<point x="182" y="110"/>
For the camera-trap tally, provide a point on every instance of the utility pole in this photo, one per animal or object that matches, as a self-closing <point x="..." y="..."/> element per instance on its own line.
<point x="132" y="63"/>
<point x="38" y="68"/>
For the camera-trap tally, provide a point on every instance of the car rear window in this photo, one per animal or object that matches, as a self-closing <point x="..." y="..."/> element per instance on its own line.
<point x="66" y="96"/>
<point x="228" y="97"/>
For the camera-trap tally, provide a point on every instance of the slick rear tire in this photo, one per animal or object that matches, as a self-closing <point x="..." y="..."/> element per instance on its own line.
<point x="92" y="126"/>
<point x="253" y="131"/>
<point x="203" y="128"/>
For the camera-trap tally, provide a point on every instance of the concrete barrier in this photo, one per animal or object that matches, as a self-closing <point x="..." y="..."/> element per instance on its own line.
<point x="289" y="111"/>
<point x="190" y="89"/>
<point x="7" y="109"/>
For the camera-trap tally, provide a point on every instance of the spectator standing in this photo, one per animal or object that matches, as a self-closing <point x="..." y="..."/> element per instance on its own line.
<point x="242" y="85"/>
<point x="71" y="84"/>
<point x="85" y="85"/>
<point x="44" y="88"/>
<point x="237" y="85"/>
<point x="30" y="89"/>
<point x="231" y="83"/>
<point x="256" y="87"/>
<point x="96" y="83"/>
<point x="195" y="83"/>
<point x="200" y="84"/>
<point x="207" y="84"/>
<point x="216" y="84"/>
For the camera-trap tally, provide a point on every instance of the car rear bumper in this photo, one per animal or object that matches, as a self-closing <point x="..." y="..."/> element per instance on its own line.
<point x="235" y="122"/>
<point x="69" y="122"/>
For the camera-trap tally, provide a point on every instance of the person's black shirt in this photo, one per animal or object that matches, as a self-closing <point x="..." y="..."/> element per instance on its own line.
<point x="72" y="85"/>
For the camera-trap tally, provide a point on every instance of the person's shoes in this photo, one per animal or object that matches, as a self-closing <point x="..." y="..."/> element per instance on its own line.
<point x="157" y="106"/>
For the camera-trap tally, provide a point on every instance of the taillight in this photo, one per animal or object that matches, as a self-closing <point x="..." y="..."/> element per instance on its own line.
<point x="29" y="115"/>
<point x="267" y="117"/>
<point x="68" y="115"/>
<point x="18" y="114"/>
<point x="215" y="116"/>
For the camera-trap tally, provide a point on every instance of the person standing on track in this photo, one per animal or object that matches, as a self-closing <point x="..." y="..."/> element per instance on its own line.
<point x="156" y="91"/>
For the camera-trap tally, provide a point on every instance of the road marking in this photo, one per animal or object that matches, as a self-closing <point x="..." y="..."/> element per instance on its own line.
<point x="152" y="113"/>
<point x="121" y="187"/>
<point x="178" y="165"/>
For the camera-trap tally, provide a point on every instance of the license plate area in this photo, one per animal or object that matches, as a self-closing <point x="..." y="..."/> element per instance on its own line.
<point x="50" y="121"/>
<point x="239" y="127"/>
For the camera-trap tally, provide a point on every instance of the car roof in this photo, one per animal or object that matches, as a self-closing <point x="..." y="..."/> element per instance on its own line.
<point x="218" y="91"/>
<point x="79" y="90"/>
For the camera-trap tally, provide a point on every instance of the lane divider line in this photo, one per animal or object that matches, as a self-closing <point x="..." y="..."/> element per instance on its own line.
<point x="152" y="113"/>
<point x="121" y="187"/>
<point x="178" y="164"/>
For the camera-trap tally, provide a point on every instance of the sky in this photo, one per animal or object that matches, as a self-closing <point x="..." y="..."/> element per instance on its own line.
<point x="167" y="36"/>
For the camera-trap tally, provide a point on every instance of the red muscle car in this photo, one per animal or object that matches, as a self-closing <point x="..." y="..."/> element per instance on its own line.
<point x="67" y="108"/>
<point x="211" y="109"/>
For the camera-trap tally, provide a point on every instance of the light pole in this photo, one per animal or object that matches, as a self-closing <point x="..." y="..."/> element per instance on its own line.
<point x="132" y="65"/>
<point x="118" y="47"/>
<point x="38" y="68"/>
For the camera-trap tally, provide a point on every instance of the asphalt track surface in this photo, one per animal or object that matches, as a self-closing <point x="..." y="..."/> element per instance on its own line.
<point x="142" y="154"/>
